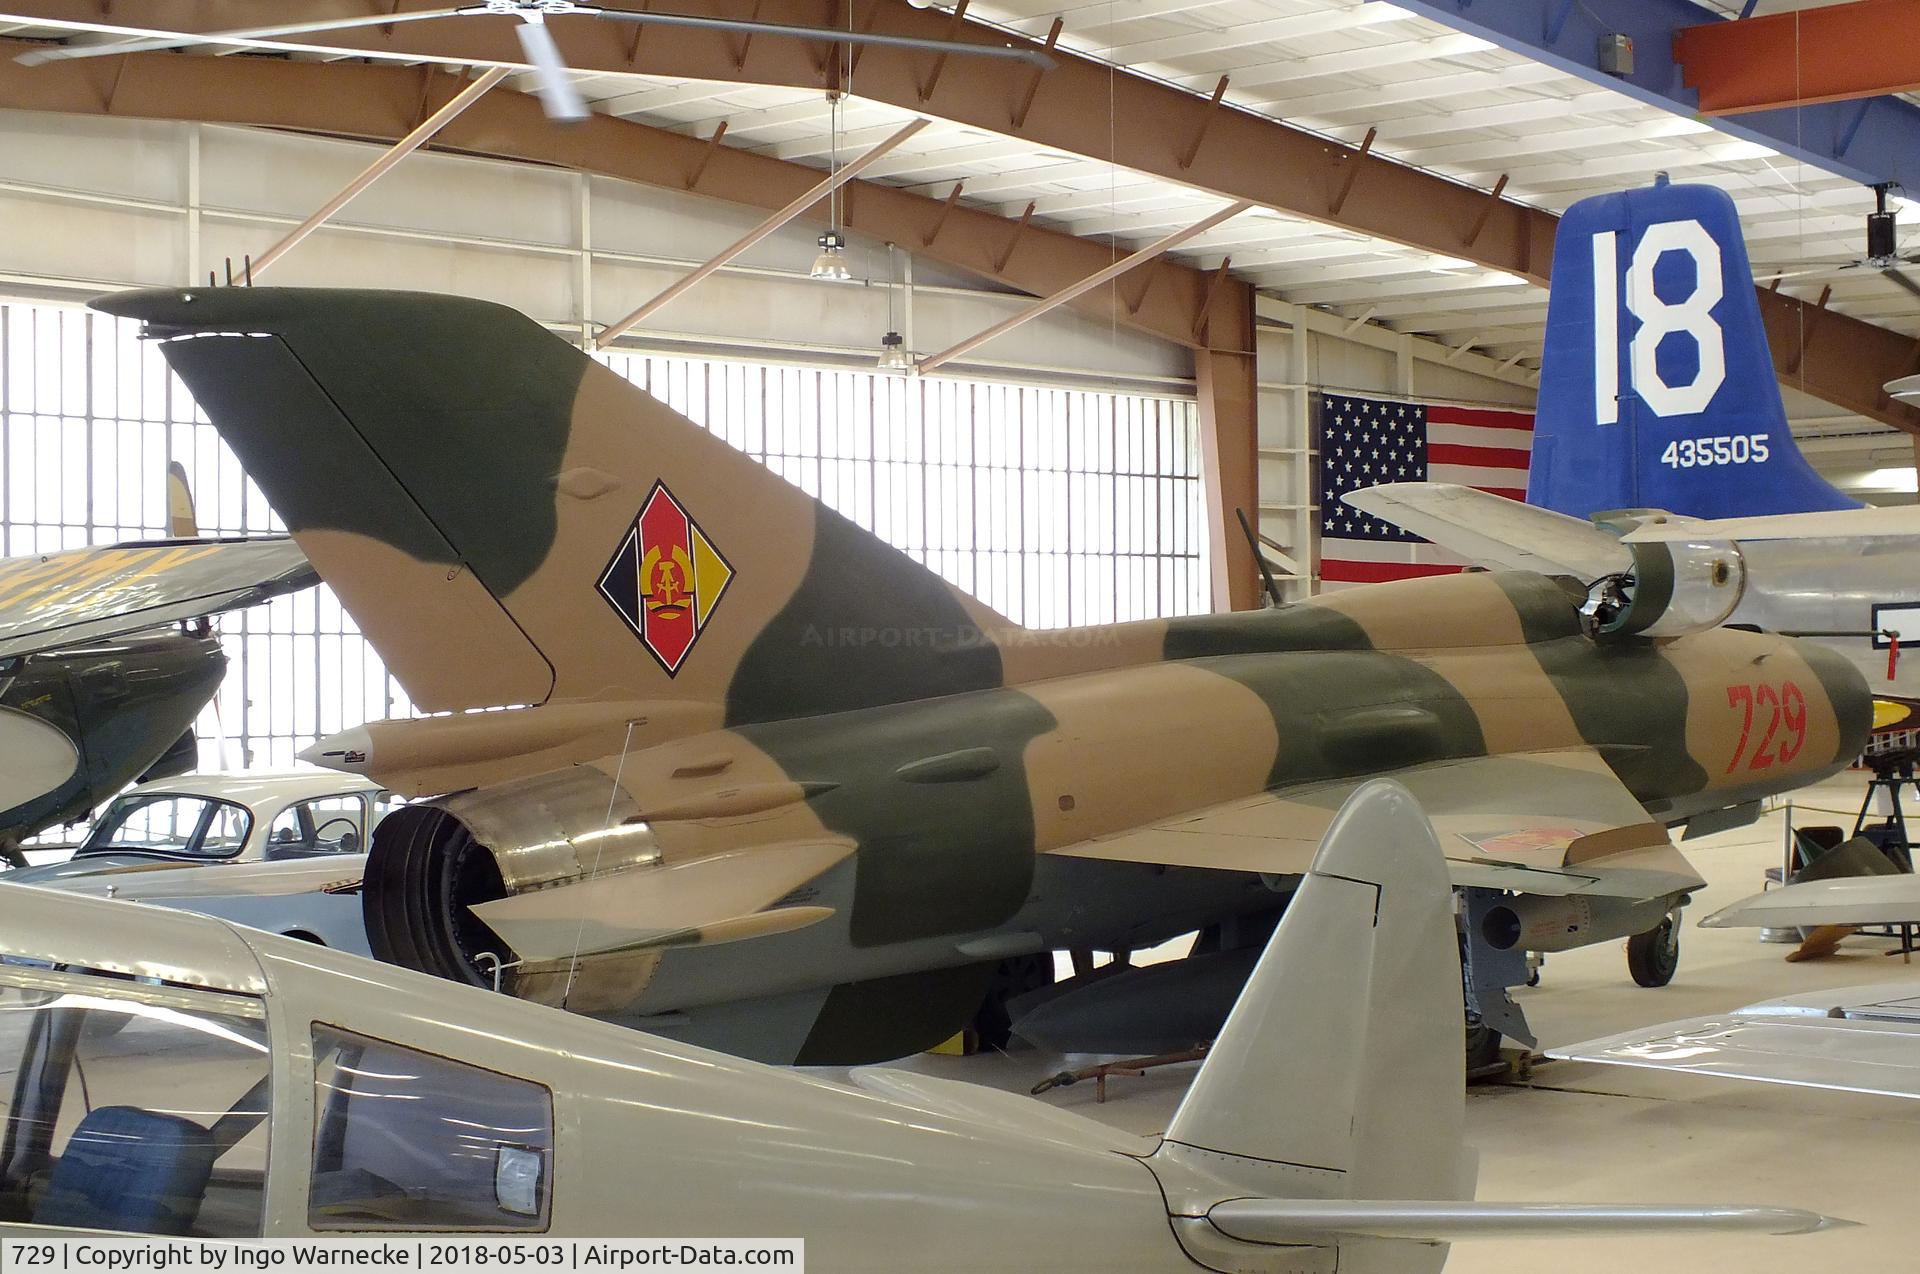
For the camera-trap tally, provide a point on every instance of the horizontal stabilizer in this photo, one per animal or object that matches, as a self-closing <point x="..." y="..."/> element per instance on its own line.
<point x="1553" y="823"/>
<point x="1293" y="1221"/>
<point x="97" y="593"/>
<point x="717" y="898"/>
<point x="1854" y="900"/>
<point x="1903" y="520"/>
<point x="1853" y="1039"/>
<point x="1495" y="531"/>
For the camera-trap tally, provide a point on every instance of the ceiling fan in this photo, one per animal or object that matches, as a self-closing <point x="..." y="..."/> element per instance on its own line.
<point x="1883" y="252"/>
<point x="558" y="95"/>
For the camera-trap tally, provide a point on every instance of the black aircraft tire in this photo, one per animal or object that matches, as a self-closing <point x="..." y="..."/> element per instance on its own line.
<point x="1653" y="956"/>
<point x="1483" y="1046"/>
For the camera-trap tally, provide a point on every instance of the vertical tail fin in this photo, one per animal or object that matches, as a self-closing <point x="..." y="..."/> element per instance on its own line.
<point x="181" y="522"/>
<point x="511" y="522"/>
<point x="1657" y="389"/>
<point x="1344" y="1053"/>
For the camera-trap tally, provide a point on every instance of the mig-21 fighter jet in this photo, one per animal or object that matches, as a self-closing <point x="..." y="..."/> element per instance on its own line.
<point x="759" y="781"/>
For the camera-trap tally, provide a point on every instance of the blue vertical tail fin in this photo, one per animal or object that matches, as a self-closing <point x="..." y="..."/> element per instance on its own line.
<point x="1657" y="389"/>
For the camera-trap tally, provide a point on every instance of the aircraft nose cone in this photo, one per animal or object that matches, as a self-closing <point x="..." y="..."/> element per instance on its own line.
<point x="349" y="750"/>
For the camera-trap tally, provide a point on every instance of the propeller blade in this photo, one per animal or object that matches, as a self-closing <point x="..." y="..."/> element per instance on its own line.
<point x="557" y="93"/>
<point x="1764" y="275"/>
<point x="1809" y="270"/>
<point x="1032" y="57"/>
<point x="1902" y="279"/>
<point x="144" y="45"/>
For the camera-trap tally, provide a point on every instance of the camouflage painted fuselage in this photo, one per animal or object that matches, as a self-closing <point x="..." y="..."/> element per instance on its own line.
<point x="964" y="811"/>
<point x="777" y="778"/>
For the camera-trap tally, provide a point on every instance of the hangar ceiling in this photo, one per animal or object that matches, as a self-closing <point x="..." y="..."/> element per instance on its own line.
<point x="1442" y="101"/>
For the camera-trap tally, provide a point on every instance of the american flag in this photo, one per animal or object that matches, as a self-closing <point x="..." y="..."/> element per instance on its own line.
<point x="1367" y="441"/>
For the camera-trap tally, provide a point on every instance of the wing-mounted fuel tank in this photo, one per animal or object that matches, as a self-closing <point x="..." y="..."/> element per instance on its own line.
<point x="1673" y="588"/>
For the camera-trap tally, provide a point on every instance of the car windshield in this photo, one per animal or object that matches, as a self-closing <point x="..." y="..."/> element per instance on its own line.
<point x="175" y="825"/>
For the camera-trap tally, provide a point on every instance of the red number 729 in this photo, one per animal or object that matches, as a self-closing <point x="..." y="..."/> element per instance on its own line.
<point x="1784" y="710"/>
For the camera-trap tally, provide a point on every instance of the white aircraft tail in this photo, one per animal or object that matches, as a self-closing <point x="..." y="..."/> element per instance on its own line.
<point x="1344" y="1054"/>
<point x="1330" y="1111"/>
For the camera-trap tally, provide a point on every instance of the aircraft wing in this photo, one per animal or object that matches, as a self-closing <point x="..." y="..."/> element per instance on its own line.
<point x="1553" y="823"/>
<point x="1494" y="530"/>
<point x="1864" y="523"/>
<point x="1848" y="900"/>
<point x="95" y="593"/>
<point x="1863" y="1039"/>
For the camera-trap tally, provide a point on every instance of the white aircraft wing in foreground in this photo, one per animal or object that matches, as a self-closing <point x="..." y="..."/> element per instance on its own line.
<point x="1846" y="900"/>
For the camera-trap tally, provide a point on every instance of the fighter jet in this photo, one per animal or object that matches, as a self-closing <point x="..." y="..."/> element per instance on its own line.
<point x="396" y="1102"/>
<point x="94" y="691"/>
<point x="760" y="781"/>
<point x="1660" y="419"/>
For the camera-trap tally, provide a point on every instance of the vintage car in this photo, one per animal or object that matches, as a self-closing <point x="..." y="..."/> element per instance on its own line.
<point x="279" y="852"/>
<point x="240" y="817"/>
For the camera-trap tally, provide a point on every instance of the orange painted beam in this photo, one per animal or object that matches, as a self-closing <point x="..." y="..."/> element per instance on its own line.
<point x="1831" y="54"/>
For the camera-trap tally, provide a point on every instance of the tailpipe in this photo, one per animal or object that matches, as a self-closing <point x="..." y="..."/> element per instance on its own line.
<point x="432" y="862"/>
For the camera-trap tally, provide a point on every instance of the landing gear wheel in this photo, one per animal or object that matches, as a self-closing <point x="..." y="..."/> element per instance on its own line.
<point x="1653" y="956"/>
<point x="1483" y="1047"/>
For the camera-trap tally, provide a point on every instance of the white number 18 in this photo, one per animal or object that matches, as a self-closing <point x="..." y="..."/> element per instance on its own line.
<point x="1658" y="319"/>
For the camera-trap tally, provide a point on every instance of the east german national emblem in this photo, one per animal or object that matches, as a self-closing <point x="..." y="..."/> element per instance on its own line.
<point x="666" y="579"/>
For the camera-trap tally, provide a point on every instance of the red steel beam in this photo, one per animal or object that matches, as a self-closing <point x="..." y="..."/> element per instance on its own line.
<point x="1229" y="397"/>
<point x="1831" y="54"/>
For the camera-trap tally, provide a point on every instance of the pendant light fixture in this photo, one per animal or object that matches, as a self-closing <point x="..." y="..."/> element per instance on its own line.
<point x="894" y="355"/>
<point x="831" y="264"/>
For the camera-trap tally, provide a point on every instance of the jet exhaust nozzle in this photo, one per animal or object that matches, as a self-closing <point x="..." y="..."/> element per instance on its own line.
<point x="433" y="862"/>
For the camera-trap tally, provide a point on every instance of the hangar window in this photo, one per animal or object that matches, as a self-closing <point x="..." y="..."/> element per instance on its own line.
<point x="131" y="1107"/>
<point x="1054" y="506"/>
<point x="406" y="1140"/>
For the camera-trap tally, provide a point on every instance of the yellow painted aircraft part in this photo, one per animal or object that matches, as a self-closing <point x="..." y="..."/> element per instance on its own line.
<point x="710" y="577"/>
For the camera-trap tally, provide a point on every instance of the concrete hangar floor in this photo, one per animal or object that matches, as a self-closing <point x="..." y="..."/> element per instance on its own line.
<point x="1601" y="1133"/>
